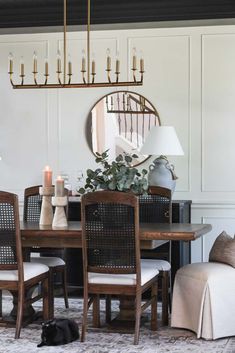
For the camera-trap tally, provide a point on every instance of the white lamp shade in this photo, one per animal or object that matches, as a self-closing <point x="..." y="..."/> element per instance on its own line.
<point x="162" y="140"/>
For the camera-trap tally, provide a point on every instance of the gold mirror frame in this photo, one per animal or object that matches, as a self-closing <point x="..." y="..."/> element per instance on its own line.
<point x="120" y="122"/>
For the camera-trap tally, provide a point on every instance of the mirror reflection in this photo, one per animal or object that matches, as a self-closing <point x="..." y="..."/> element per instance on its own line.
<point x="119" y="122"/>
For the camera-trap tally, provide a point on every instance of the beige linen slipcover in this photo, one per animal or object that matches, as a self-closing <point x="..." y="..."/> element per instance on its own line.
<point x="204" y="300"/>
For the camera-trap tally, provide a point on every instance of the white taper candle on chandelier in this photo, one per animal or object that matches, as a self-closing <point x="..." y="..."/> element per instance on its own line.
<point x="108" y="60"/>
<point x="35" y="62"/>
<point x="10" y="57"/>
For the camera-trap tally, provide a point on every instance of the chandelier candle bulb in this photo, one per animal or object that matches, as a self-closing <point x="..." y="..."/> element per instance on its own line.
<point x="58" y="62"/>
<point x="141" y="65"/>
<point x="46" y="67"/>
<point x="10" y="57"/>
<point x="21" y="67"/>
<point x="93" y="67"/>
<point x="70" y="67"/>
<point x="117" y="66"/>
<point x="59" y="187"/>
<point x="108" y="60"/>
<point x="83" y="61"/>
<point x="47" y="177"/>
<point x="35" y="63"/>
<point x="134" y="59"/>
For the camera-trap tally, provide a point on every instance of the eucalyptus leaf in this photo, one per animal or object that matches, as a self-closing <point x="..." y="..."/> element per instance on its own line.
<point x="116" y="175"/>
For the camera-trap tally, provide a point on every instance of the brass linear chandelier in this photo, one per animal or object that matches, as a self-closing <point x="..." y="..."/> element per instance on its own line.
<point x="88" y="72"/>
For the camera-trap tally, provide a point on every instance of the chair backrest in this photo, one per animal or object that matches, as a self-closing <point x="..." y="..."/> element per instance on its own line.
<point x="33" y="203"/>
<point x="156" y="207"/>
<point x="110" y="233"/>
<point x="10" y="240"/>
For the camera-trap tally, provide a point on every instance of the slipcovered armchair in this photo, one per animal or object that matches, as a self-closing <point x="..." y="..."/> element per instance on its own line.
<point x="203" y="295"/>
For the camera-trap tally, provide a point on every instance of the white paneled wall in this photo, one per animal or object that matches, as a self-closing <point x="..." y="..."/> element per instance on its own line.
<point x="190" y="78"/>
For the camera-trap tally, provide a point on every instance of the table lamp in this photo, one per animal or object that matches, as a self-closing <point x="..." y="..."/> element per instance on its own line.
<point x="162" y="141"/>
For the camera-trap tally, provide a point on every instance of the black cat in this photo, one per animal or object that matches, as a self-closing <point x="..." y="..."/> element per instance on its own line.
<point x="58" y="331"/>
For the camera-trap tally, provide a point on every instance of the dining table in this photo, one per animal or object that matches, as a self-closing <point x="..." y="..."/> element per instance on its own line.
<point x="151" y="236"/>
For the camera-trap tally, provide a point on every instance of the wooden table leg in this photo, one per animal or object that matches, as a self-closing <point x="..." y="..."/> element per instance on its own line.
<point x="126" y="317"/>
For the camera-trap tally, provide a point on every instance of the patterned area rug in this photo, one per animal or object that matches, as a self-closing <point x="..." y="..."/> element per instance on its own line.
<point x="102" y="341"/>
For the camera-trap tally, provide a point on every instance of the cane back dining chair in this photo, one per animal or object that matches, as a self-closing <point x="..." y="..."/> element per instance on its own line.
<point x="156" y="207"/>
<point x="17" y="276"/>
<point x="111" y="254"/>
<point x="32" y="210"/>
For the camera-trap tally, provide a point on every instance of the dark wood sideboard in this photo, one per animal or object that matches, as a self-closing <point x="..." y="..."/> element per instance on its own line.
<point x="181" y="251"/>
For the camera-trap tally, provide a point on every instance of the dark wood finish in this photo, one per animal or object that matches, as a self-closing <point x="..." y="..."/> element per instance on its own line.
<point x="32" y="211"/>
<point x="181" y="250"/>
<point x="157" y="206"/>
<point x="11" y="258"/>
<point x="118" y="215"/>
<point x="45" y="236"/>
<point x="28" y="13"/>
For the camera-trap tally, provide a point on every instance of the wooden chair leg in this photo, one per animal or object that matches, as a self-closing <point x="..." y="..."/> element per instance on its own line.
<point x="154" y="293"/>
<point x="46" y="302"/>
<point x="137" y="318"/>
<point x="20" y="306"/>
<point x="51" y="292"/>
<point x="85" y="312"/>
<point x="165" y="297"/>
<point x="65" y="290"/>
<point x="0" y="303"/>
<point x="108" y="309"/>
<point x="96" y="311"/>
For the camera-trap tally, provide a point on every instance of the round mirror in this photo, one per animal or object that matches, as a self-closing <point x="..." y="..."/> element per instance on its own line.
<point x="119" y="122"/>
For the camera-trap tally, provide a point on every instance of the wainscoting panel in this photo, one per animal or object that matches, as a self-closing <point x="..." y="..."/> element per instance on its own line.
<point x="167" y="80"/>
<point x="218" y="111"/>
<point x="221" y="217"/>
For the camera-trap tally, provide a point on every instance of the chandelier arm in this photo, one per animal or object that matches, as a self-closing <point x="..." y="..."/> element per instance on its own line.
<point x="11" y="79"/>
<point x="77" y="85"/>
<point x="35" y="78"/>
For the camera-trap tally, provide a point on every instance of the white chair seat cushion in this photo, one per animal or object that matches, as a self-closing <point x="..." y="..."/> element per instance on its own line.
<point x="162" y="265"/>
<point x="47" y="260"/>
<point x="203" y="299"/>
<point x="148" y="271"/>
<point x="30" y="270"/>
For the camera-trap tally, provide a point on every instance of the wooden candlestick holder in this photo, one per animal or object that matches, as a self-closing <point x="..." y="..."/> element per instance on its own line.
<point x="46" y="215"/>
<point x="59" y="220"/>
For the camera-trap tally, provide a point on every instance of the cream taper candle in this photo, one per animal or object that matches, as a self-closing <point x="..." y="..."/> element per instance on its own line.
<point x="47" y="177"/>
<point x="59" y="186"/>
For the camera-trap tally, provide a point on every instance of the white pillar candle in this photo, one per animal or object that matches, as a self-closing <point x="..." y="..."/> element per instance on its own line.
<point x="47" y="177"/>
<point x="59" y="187"/>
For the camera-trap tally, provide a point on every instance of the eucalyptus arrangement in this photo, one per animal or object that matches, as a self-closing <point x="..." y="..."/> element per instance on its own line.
<point x="117" y="175"/>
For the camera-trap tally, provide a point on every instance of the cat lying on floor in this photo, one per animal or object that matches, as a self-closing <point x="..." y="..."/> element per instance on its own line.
<point x="58" y="331"/>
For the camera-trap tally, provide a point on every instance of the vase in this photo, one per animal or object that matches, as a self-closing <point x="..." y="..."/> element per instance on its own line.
<point x="161" y="173"/>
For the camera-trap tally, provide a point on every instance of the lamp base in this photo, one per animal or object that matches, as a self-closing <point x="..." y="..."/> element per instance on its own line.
<point x="161" y="173"/>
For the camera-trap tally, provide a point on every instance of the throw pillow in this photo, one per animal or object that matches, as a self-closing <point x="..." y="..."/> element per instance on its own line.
<point x="223" y="250"/>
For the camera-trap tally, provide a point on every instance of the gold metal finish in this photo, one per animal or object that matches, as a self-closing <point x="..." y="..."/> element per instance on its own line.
<point x="88" y="74"/>
<point x="65" y="39"/>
